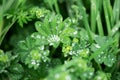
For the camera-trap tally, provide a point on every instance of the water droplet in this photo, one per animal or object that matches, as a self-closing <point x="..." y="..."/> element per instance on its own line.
<point x="32" y="36"/>
<point x="80" y="17"/>
<point x="79" y="65"/>
<point x="99" y="78"/>
<point x="72" y="70"/>
<point x="73" y="44"/>
<point x="71" y="52"/>
<point x="91" y="73"/>
<point x="57" y="76"/>
<point x="66" y="25"/>
<point x="93" y="5"/>
<point x="99" y="56"/>
<point x="85" y="75"/>
<point x="106" y="16"/>
<point x="117" y="10"/>
<point x="60" y="32"/>
<point x="104" y="57"/>
<point x="97" y="46"/>
<point x="79" y="51"/>
<point x="38" y="61"/>
<point x="38" y="36"/>
<point x="46" y="53"/>
<point x="75" y="32"/>
<point x="108" y="56"/>
<point x="114" y="29"/>
<point x="112" y="59"/>
<point x="102" y="53"/>
<point x="44" y="60"/>
<point x="84" y="8"/>
<point x="53" y="38"/>
<point x="21" y="41"/>
<point x="37" y="64"/>
<point x="68" y="77"/>
<point x="87" y="51"/>
<point x="99" y="60"/>
<point x="73" y="20"/>
<point x="43" y="37"/>
<point x="109" y="65"/>
<point x="41" y="48"/>
<point x="33" y="62"/>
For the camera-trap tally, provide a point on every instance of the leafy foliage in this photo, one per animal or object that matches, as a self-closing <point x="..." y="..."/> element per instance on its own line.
<point x="32" y="51"/>
<point x="59" y="40"/>
<point x="74" y="69"/>
<point x="55" y="30"/>
<point x="107" y="55"/>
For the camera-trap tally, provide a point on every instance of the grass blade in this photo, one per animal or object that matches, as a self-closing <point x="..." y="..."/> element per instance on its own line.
<point x="99" y="24"/>
<point x="85" y="20"/>
<point x="107" y="17"/>
<point x="93" y="15"/>
<point x="116" y="11"/>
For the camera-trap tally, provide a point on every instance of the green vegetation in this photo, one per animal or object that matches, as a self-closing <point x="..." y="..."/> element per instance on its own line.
<point x="59" y="40"/>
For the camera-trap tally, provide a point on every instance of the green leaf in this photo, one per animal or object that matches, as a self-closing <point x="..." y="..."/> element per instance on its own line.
<point x="75" y="69"/>
<point x="33" y="51"/>
<point x="16" y="68"/>
<point x="38" y="26"/>
<point x="102" y="49"/>
<point x="100" y="76"/>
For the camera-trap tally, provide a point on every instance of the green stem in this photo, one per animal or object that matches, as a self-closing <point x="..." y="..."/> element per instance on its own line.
<point x="53" y="50"/>
<point x="93" y="15"/>
<point x="85" y="20"/>
<point x="107" y="17"/>
<point x="4" y="32"/>
<point x="99" y="24"/>
<point x="100" y="68"/>
<point x="1" y="24"/>
<point x="116" y="11"/>
<point x="56" y="6"/>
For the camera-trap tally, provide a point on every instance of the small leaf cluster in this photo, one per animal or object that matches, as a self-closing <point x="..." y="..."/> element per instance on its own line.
<point x="9" y="66"/>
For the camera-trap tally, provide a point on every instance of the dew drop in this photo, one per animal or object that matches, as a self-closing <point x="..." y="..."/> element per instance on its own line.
<point x="117" y="10"/>
<point x="99" y="60"/>
<point x="33" y="62"/>
<point x="41" y="47"/>
<point x="71" y="52"/>
<point x="32" y="36"/>
<point x="97" y="46"/>
<point x="44" y="60"/>
<point x="114" y="29"/>
<point x="81" y="17"/>
<point x="99" y="56"/>
<point x="37" y="64"/>
<point x="57" y="76"/>
<point x="75" y="33"/>
<point x="72" y="70"/>
<point x="112" y="59"/>
<point x="99" y="78"/>
<point x="91" y="73"/>
<point x="79" y="65"/>
<point x="73" y="20"/>
<point x="68" y="77"/>
<point x="38" y="36"/>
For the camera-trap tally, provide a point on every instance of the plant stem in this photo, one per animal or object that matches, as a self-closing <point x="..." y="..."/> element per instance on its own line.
<point x="99" y="24"/>
<point x="99" y="67"/>
<point x="56" y="6"/>
<point x="93" y="15"/>
<point x="4" y="32"/>
<point x="85" y="20"/>
<point x="1" y="24"/>
<point x="107" y="17"/>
